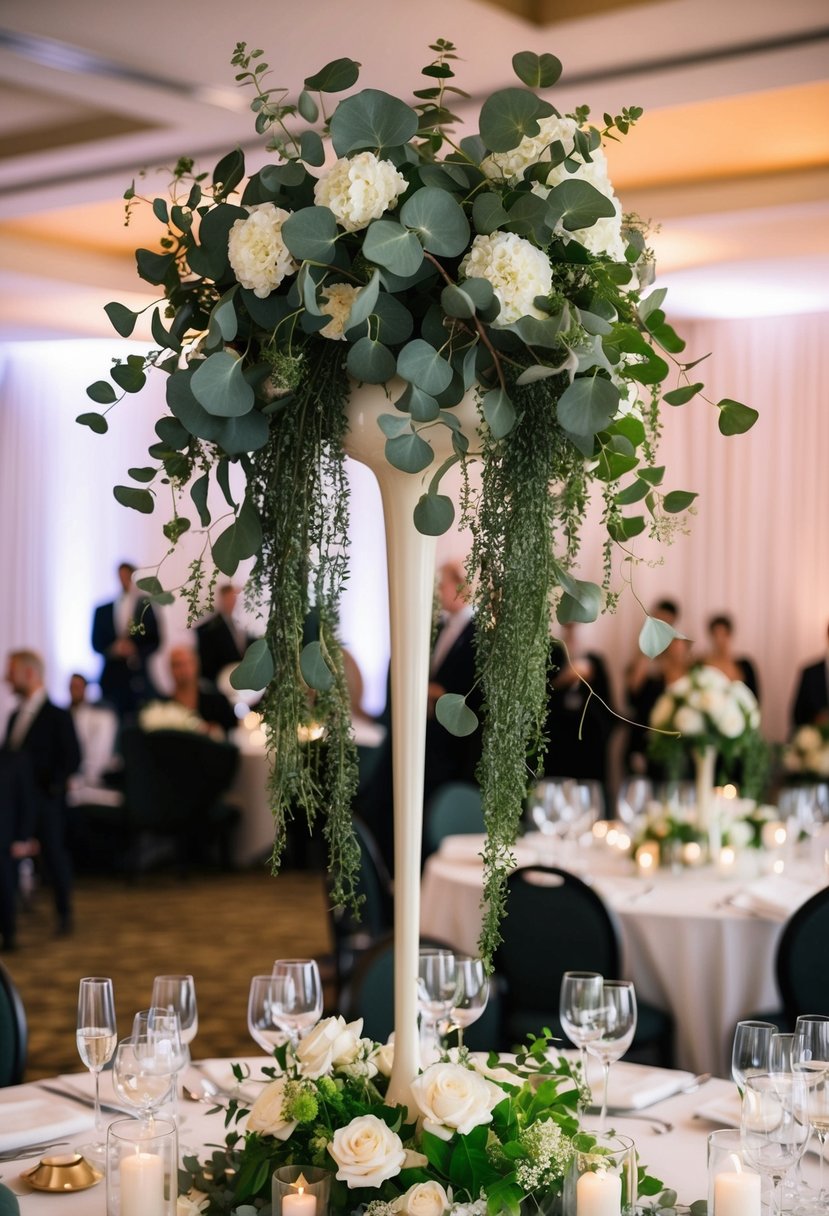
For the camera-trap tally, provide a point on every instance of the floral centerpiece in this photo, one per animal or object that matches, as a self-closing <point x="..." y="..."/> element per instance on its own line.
<point x="486" y="1136"/>
<point x="378" y="247"/>
<point x="169" y="715"/>
<point x="806" y="756"/>
<point x="680" y="841"/>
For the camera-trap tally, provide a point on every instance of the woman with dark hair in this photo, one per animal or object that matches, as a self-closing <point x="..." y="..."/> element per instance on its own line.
<point x="721" y="656"/>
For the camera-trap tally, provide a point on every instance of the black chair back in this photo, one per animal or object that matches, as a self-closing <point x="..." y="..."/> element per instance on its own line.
<point x="454" y="810"/>
<point x="13" y="1032"/>
<point x="802" y="976"/>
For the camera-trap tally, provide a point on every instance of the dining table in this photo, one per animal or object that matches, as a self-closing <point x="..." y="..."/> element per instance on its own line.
<point x="697" y="943"/>
<point x="670" y="1134"/>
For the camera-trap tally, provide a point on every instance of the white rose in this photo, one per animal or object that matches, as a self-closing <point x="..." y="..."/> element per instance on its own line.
<point x="359" y="189"/>
<point x="333" y="1042"/>
<point x="662" y="711"/>
<point x="423" y="1199"/>
<point x="383" y="1057"/>
<point x="266" y="1115"/>
<point x="808" y="739"/>
<point x="740" y="833"/>
<point x="680" y="687"/>
<point x="191" y="1204"/>
<point x="367" y="1152"/>
<point x="337" y="301"/>
<point x="453" y="1098"/>
<point x="730" y="721"/>
<point x="256" y="251"/>
<point x="689" y="721"/>
<point x="517" y="270"/>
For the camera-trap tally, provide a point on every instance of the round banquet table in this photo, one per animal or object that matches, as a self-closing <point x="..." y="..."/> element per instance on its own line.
<point x="678" y="1158"/>
<point x="686" y="946"/>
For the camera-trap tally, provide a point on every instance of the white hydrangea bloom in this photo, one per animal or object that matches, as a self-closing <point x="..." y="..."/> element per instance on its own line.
<point x="359" y="189"/>
<point x="517" y="270"/>
<point x="689" y="721"/>
<point x="256" y="251"/>
<point x="337" y="301"/>
<point x="532" y="150"/>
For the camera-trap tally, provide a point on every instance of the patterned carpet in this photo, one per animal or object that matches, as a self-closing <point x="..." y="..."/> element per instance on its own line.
<point x="221" y="928"/>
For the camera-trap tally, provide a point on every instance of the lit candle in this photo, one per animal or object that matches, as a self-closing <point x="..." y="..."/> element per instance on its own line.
<point x="691" y="853"/>
<point x="142" y="1185"/>
<point x="600" y="829"/>
<point x="727" y="860"/>
<point x="599" y="1194"/>
<point x="647" y="856"/>
<point x="737" y="1195"/>
<point x="773" y="835"/>
<point x="299" y="1202"/>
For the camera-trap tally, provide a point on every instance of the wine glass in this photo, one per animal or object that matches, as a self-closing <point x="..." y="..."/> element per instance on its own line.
<point x="774" y="1126"/>
<point x="296" y="996"/>
<point x="634" y="795"/>
<point x="579" y="1004"/>
<point x="471" y="995"/>
<point x="616" y="1026"/>
<point x="95" y="1037"/>
<point x="552" y="806"/>
<point x="810" y="1061"/>
<point x="177" y="993"/>
<point x="750" y="1050"/>
<point x="437" y="993"/>
<point x="780" y="1061"/>
<point x="261" y="1021"/>
<point x="140" y="1077"/>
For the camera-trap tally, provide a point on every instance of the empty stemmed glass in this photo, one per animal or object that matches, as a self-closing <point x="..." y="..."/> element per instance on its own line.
<point x="750" y="1051"/>
<point x="634" y="795"/>
<point x="95" y="1037"/>
<point x="810" y="1061"/>
<point x="471" y="995"/>
<point x="437" y="993"/>
<point x="261" y="1021"/>
<point x="552" y="807"/>
<point x="580" y="1003"/>
<point x="296" y="996"/>
<point x="177" y="994"/>
<point x="774" y="1127"/>
<point x="140" y="1077"/>
<point x="616" y="1026"/>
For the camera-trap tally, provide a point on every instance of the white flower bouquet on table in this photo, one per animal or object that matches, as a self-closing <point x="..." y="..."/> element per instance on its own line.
<point x="473" y="1144"/>
<point x="169" y="715"/>
<point x="807" y="754"/>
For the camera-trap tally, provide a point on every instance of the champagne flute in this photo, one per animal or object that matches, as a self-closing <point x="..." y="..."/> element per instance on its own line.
<point x="774" y="1127"/>
<point x="437" y="992"/>
<point x="616" y="1026"/>
<point x="95" y="1036"/>
<point x="750" y="1050"/>
<point x="471" y="996"/>
<point x="810" y="1061"/>
<point x="296" y="1000"/>
<point x="580" y="1001"/>
<point x="261" y="1020"/>
<point x="140" y="1077"/>
<point x="177" y="993"/>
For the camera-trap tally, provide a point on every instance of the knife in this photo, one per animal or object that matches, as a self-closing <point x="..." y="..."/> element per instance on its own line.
<point x="30" y="1150"/>
<point x="687" y="1088"/>
<point x="83" y="1100"/>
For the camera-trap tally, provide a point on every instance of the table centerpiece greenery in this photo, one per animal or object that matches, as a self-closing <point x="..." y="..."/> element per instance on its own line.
<point x="377" y="247"/>
<point x="806" y="756"/>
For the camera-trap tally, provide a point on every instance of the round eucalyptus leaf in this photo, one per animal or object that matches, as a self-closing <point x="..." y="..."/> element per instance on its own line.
<point x="581" y="603"/>
<point x="456" y="302"/>
<point x="256" y="669"/>
<point x="129" y="376"/>
<point x="438" y="219"/>
<point x="409" y="453"/>
<point x="220" y="386"/>
<point x="315" y="671"/>
<point x="434" y="514"/>
<point x="138" y="500"/>
<point x="577" y="204"/>
<point x="242" y="539"/>
<point x="122" y="319"/>
<point x="391" y="245"/>
<point x="364" y="301"/>
<point x="371" y="119"/>
<point x="198" y="493"/>
<point x="144" y="474"/>
<point x="453" y="713"/>
<point x="336" y="76"/>
<point x="587" y="405"/>
<point x="95" y="422"/>
<point x="735" y="418"/>
<point x="311" y="148"/>
<point x="510" y="114"/>
<point x="420" y="364"/>
<point x="422" y="406"/>
<point x="681" y="396"/>
<point x="370" y="361"/>
<point x="102" y="392"/>
<point x="152" y="266"/>
<point x="499" y="412"/>
<point x="393" y="425"/>
<point x="678" y="500"/>
<point x="307" y="107"/>
<point x="275" y="177"/>
<point x="536" y="71"/>
<point x="311" y="234"/>
<point x="488" y="213"/>
<point x="391" y="324"/>
<point x="656" y="636"/>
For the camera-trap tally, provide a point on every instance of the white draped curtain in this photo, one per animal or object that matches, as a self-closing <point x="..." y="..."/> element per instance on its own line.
<point x="757" y="547"/>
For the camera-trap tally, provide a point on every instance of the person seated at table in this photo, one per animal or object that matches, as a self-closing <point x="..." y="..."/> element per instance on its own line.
<point x="579" y="711"/>
<point x="196" y="695"/>
<point x="451" y="669"/>
<point x="811" y="703"/>
<point x="96" y="727"/>
<point x="221" y="639"/>
<point x="721" y="654"/>
<point x="645" y="681"/>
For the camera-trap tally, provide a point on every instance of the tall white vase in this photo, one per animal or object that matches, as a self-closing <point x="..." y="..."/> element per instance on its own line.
<point x="708" y="821"/>
<point x="411" y="575"/>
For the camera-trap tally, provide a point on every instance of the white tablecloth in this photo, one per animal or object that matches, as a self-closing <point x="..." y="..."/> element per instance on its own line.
<point x="685" y="946"/>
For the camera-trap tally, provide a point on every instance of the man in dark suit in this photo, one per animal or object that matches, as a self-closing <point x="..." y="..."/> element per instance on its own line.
<point x="811" y="704"/>
<point x="221" y="641"/>
<point x="44" y="738"/>
<point x="125" y="632"/>
<point x="17" y="826"/>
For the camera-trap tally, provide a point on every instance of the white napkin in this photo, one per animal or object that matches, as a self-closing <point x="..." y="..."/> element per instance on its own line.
<point x="29" y="1120"/>
<point x="635" y="1086"/>
<point x="220" y="1072"/>
<point x="775" y="897"/>
<point x="724" y="1111"/>
<point x="468" y="848"/>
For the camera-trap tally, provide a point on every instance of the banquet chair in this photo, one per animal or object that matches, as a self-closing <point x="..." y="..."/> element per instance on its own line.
<point x="354" y="934"/>
<point x="454" y="810"/>
<point x="13" y="1032"/>
<point x="801" y="975"/>
<point x="557" y="923"/>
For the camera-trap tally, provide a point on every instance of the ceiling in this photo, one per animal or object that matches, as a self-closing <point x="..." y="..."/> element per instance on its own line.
<point x="731" y="158"/>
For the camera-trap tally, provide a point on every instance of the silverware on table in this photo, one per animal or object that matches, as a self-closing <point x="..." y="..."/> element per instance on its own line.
<point x="30" y="1150"/>
<point x="74" y="1095"/>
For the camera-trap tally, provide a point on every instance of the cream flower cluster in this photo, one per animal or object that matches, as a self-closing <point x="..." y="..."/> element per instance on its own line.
<point x="533" y="149"/>
<point x="335" y="1043"/>
<point x="452" y="1098"/>
<point x="256" y="251"/>
<point x="808" y="752"/>
<point x="706" y="703"/>
<point x="517" y="270"/>
<point x="337" y="301"/>
<point x="423" y="1199"/>
<point x="359" y="189"/>
<point x="267" y="1115"/>
<point x="169" y="715"/>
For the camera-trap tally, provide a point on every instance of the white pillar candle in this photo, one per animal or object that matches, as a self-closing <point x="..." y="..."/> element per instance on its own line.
<point x="299" y="1203"/>
<point x="599" y="1194"/>
<point x="737" y="1195"/>
<point x="142" y="1185"/>
<point x="647" y="857"/>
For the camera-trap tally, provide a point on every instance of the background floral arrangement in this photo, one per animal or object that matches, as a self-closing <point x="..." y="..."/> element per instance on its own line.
<point x="807" y="755"/>
<point x="169" y="715"/>
<point x="483" y="1137"/>
<point x="376" y="247"/>
<point x="740" y="823"/>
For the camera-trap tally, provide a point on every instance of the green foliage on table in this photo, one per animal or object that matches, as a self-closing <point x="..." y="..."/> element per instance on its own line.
<point x="8" y="1202"/>
<point x="498" y="263"/>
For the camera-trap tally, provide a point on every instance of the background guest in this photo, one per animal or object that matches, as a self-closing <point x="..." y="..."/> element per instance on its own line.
<point x="17" y="827"/>
<point x="452" y="669"/>
<point x="578" y="723"/>
<point x="811" y="703"/>
<point x="96" y="727"/>
<point x="197" y="695"/>
<point x="721" y="655"/>
<point x="45" y="738"/>
<point x="125" y="632"/>
<point x="221" y="640"/>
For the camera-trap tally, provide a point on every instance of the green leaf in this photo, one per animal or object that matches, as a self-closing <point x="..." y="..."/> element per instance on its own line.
<point x="530" y="217"/>
<point x="223" y="316"/>
<point x="364" y="301"/>
<point x="8" y="1202"/>
<point x="679" y="396"/>
<point x="581" y="601"/>
<point x="315" y="671"/>
<point x="130" y="376"/>
<point x="242" y="539"/>
<point x="273" y="177"/>
<point x="370" y="362"/>
<point x="488" y="213"/>
<point x="311" y="148"/>
<point x="102" y="392"/>
<point x="420" y="364"/>
<point x="438" y="219"/>
<point x="336" y="76"/>
<point x="229" y="171"/>
<point x="678" y="500"/>
<point x="307" y="107"/>
<point x="144" y="474"/>
<point x="220" y="386"/>
<point x="456" y="302"/>
<point x="393" y="425"/>
<point x="198" y="493"/>
<point x="391" y="322"/>
<point x="536" y="71"/>
<point x="371" y="119"/>
<point x="577" y="204"/>
<point x="453" y="713"/>
<point x="311" y="234"/>
<point x="409" y="453"/>
<point x="391" y="245"/>
<point x="635" y="492"/>
<point x="122" y="319"/>
<point x="510" y="114"/>
<point x="95" y="422"/>
<point x="588" y="405"/>
<point x="735" y="418"/>
<point x="652" y="302"/>
<point x="434" y="514"/>
<point x="153" y="267"/>
<point x="625" y="529"/>
<point x="421" y="406"/>
<point x="656" y="636"/>
<point x="160" y="334"/>
<point x="138" y="500"/>
<point x="499" y="412"/>
<point x="256" y="669"/>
